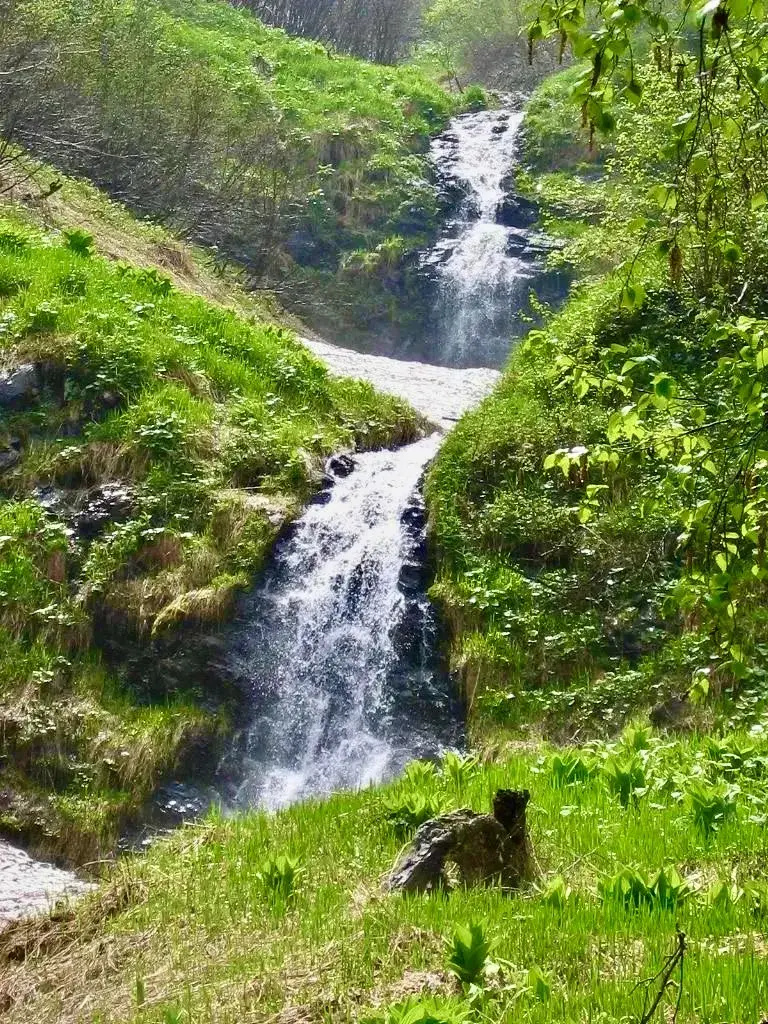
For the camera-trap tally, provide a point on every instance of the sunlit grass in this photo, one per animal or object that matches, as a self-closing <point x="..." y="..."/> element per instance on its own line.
<point x="213" y="941"/>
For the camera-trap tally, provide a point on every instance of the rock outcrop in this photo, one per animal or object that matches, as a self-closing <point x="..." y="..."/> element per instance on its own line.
<point x="482" y="849"/>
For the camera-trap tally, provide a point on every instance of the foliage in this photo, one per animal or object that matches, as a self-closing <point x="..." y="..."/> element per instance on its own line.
<point x="265" y="146"/>
<point x="480" y="41"/>
<point x="468" y="954"/>
<point x="601" y="548"/>
<point x="280" y="876"/>
<point x="408" y="812"/>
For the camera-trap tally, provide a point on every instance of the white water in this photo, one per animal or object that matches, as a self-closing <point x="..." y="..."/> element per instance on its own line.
<point x="481" y="285"/>
<point x="29" y="886"/>
<point x="441" y="393"/>
<point x="325" y="636"/>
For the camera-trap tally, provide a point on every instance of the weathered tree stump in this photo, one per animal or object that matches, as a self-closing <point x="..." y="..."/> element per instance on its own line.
<point x="484" y="848"/>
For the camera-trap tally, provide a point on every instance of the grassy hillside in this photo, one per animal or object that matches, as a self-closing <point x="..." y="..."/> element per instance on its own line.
<point x="283" y="155"/>
<point x="598" y="520"/>
<point x="156" y="447"/>
<point x="212" y="926"/>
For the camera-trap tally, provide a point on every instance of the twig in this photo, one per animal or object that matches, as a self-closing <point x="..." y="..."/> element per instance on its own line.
<point x="674" y="962"/>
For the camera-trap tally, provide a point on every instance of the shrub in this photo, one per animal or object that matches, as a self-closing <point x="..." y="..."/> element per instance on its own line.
<point x="663" y="892"/>
<point x="569" y="769"/>
<point x="418" y="1010"/>
<point x="80" y="242"/>
<point x="625" y="778"/>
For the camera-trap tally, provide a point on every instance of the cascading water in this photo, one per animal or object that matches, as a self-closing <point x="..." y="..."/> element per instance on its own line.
<point x="337" y="644"/>
<point x="336" y="649"/>
<point x="489" y="258"/>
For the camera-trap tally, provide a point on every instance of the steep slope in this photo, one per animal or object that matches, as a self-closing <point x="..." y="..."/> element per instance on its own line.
<point x="599" y="520"/>
<point x="153" y="446"/>
<point x="283" y="155"/>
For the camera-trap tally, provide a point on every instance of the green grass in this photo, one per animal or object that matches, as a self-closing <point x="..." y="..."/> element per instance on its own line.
<point x="219" y="425"/>
<point x="284" y="155"/>
<point x="209" y="938"/>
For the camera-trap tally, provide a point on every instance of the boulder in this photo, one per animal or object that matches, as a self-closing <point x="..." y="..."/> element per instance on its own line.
<point x="10" y="454"/>
<point x="516" y="212"/>
<point x="340" y="466"/>
<point x="483" y="848"/>
<point x="18" y="385"/>
<point x="89" y="512"/>
<point x="110" y="503"/>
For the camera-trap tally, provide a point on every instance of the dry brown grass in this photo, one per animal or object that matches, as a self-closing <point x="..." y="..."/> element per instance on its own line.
<point x="204" y="607"/>
<point x="119" y="236"/>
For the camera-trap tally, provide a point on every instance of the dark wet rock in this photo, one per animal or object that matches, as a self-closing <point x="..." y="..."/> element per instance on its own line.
<point x="18" y="385"/>
<point x="88" y="513"/>
<point x="107" y="504"/>
<point x="531" y="245"/>
<point x="414" y="515"/>
<point x="341" y="465"/>
<point x="673" y="713"/>
<point x="517" y="212"/>
<point x="518" y="242"/>
<point x="10" y="454"/>
<point x="321" y="498"/>
<point x="412" y="577"/>
<point x="483" y="848"/>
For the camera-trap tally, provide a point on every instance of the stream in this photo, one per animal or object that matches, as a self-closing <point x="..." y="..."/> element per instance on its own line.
<point x="337" y="650"/>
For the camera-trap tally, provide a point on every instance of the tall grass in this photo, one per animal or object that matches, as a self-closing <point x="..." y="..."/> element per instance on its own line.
<point x="211" y="940"/>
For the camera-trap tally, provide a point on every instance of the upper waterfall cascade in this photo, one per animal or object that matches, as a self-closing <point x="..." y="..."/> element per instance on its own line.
<point x="488" y="257"/>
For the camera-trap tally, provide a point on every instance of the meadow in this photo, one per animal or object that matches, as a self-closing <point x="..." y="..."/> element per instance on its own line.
<point x="283" y="917"/>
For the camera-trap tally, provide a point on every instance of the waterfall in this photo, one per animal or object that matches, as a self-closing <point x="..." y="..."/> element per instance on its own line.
<point x="488" y="258"/>
<point x="335" y="649"/>
<point x="338" y="642"/>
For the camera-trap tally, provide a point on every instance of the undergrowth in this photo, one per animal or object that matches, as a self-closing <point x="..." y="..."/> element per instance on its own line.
<point x="582" y="567"/>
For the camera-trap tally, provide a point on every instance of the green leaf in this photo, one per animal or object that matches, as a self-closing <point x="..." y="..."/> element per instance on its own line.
<point x="632" y="296"/>
<point x="539" y="984"/>
<point x="634" y="91"/>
